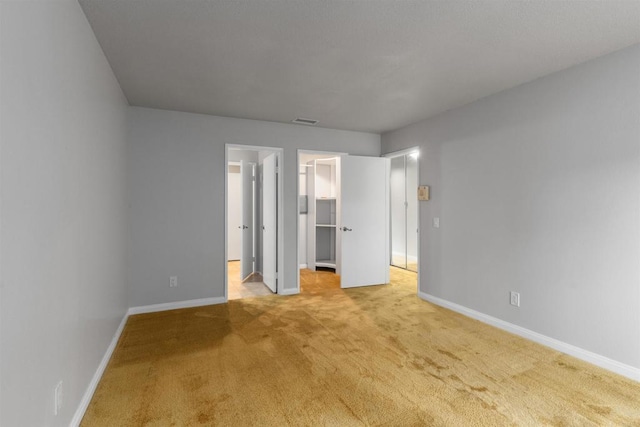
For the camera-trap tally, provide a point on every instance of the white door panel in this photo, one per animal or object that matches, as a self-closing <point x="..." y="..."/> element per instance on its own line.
<point x="364" y="221"/>
<point x="269" y="222"/>
<point x="234" y="230"/>
<point x="246" y="259"/>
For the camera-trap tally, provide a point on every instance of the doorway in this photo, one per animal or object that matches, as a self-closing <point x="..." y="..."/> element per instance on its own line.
<point x="343" y="208"/>
<point x="253" y="205"/>
<point x="313" y="275"/>
<point x="404" y="210"/>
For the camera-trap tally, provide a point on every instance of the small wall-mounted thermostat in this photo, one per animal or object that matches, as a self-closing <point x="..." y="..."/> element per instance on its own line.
<point x="423" y="192"/>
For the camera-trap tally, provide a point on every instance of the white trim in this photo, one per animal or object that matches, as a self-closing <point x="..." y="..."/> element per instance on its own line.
<point x="175" y="305"/>
<point x="289" y="291"/>
<point x="303" y="266"/>
<point x="582" y="354"/>
<point x="280" y="174"/>
<point x="95" y="380"/>
<point x="226" y="222"/>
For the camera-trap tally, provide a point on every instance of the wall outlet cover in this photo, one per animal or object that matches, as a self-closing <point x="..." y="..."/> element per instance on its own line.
<point x="514" y="298"/>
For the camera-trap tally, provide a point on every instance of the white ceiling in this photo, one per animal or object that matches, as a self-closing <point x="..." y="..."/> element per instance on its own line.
<point x="358" y="65"/>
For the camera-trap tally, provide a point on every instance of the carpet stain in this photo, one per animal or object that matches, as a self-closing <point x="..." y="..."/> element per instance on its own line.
<point x="449" y="354"/>
<point x="601" y="410"/>
<point x="430" y="362"/>
<point x="567" y="366"/>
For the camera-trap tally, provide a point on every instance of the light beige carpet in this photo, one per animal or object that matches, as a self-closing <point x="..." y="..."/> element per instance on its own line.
<point x="367" y="356"/>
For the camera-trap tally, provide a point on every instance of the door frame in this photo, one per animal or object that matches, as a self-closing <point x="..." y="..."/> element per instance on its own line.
<point x="279" y="203"/>
<point x="400" y="153"/>
<point x="298" y="152"/>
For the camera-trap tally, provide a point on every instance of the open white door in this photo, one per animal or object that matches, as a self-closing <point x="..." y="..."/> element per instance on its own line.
<point x="234" y="214"/>
<point x="246" y="258"/>
<point x="269" y="221"/>
<point x="363" y="237"/>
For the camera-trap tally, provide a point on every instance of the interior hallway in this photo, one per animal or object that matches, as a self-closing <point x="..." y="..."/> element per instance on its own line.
<point x="252" y="287"/>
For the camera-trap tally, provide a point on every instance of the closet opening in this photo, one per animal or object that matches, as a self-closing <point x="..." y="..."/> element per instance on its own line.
<point x="404" y="229"/>
<point x="253" y="206"/>
<point x="317" y="222"/>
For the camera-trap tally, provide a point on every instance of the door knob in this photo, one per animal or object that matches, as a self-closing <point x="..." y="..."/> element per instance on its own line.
<point x="346" y="229"/>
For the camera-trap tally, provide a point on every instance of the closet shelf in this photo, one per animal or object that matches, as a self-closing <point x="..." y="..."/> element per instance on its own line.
<point x="322" y="217"/>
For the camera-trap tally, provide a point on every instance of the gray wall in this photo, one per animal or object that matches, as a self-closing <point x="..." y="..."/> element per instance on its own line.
<point x="537" y="189"/>
<point x="63" y="136"/>
<point x="176" y="182"/>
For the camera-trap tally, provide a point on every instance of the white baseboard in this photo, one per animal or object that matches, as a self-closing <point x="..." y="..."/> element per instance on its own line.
<point x="175" y="305"/>
<point x="88" y="394"/>
<point x="303" y="266"/>
<point x="292" y="291"/>
<point x="580" y="353"/>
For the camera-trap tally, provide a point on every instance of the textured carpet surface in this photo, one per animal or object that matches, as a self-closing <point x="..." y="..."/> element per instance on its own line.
<point x="366" y="356"/>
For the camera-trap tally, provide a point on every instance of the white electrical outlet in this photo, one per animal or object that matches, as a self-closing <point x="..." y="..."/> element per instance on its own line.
<point x="436" y="222"/>
<point x="173" y="281"/>
<point x="515" y="298"/>
<point x="57" y="398"/>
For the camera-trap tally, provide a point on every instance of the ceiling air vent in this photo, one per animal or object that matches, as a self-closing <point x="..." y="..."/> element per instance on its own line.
<point x="308" y="122"/>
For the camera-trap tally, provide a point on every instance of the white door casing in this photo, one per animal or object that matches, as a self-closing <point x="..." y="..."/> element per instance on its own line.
<point x="269" y="221"/>
<point x="363" y="209"/>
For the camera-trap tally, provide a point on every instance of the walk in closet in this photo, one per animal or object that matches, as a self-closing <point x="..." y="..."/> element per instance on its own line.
<point x="346" y="220"/>
<point x="322" y="193"/>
